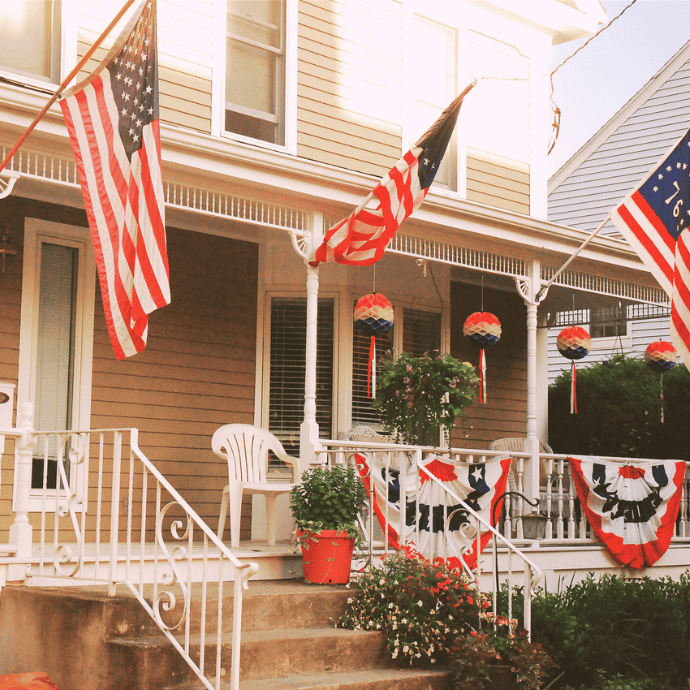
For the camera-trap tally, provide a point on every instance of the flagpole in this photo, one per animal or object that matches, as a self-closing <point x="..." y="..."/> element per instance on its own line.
<point x="550" y="281"/>
<point x="66" y="81"/>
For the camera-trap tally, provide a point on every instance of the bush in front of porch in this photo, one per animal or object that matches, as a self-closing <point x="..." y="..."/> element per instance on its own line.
<point x="619" y="411"/>
<point x="615" y="633"/>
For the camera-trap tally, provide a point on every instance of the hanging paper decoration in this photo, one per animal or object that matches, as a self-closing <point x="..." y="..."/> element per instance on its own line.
<point x="574" y="343"/>
<point x="428" y="507"/>
<point x="631" y="508"/>
<point x="373" y="315"/>
<point x="483" y="330"/>
<point x="660" y="356"/>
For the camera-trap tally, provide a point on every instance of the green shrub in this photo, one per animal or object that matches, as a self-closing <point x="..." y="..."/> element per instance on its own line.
<point x="619" y="411"/>
<point x="615" y="633"/>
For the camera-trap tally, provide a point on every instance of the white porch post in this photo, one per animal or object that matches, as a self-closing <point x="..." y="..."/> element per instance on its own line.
<point x="529" y="290"/>
<point x="20" y="529"/>
<point x="309" y="430"/>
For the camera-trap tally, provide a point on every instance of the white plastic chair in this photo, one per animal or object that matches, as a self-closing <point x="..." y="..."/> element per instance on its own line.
<point x="246" y="449"/>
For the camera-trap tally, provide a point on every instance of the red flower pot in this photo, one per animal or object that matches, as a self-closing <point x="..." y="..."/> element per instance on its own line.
<point x="326" y="556"/>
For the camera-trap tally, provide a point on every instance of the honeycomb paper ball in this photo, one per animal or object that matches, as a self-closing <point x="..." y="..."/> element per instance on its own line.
<point x="373" y="314"/>
<point x="482" y="329"/>
<point x="660" y="356"/>
<point x="574" y="342"/>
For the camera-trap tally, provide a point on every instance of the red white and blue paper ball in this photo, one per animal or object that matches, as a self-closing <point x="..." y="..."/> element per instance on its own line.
<point x="660" y="356"/>
<point x="482" y="329"/>
<point x="373" y="314"/>
<point x="574" y="342"/>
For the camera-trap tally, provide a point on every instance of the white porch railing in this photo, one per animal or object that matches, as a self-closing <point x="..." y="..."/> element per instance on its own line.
<point x="104" y="513"/>
<point x="393" y="461"/>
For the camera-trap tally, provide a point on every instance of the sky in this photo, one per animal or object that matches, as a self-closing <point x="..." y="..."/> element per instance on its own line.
<point x="597" y="82"/>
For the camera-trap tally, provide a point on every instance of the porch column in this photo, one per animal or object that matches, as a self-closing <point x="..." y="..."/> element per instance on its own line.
<point x="529" y="290"/>
<point x="20" y="529"/>
<point x="309" y="430"/>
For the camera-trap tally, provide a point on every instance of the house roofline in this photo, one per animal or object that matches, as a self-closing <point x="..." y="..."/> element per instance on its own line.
<point x="590" y="146"/>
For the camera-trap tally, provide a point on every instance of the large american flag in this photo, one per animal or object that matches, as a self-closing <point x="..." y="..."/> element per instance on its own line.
<point x="113" y="122"/>
<point x="654" y="219"/>
<point x="362" y="237"/>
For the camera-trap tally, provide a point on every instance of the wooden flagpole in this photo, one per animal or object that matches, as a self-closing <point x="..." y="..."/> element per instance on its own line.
<point x="550" y="281"/>
<point x="66" y="81"/>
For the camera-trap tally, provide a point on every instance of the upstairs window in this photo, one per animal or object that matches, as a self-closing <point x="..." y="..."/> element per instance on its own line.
<point x="255" y="70"/>
<point x="30" y="38"/>
<point x="433" y="81"/>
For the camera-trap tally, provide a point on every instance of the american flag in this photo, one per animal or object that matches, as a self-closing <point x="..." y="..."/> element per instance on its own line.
<point x="654" y="219"/>
<point x="362" y="237"/>
<point x="113" y="122"/>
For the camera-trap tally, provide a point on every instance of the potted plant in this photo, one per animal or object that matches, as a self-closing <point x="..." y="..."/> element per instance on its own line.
<point x="498" y="658"/>
<point x="325" y="505"/>
<point x="418" y="396"/>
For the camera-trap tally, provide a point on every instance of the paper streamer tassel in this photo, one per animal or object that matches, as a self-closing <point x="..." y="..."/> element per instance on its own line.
<point x="483" y="330"/>
<point x="373" y="315"/>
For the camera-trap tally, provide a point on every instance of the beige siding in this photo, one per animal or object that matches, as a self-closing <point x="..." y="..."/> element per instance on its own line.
<point x="505" y="411"/>
<point x="197" y="372"/>
<point x="185" y="55"/>
<point x="349" y="83"/>
<point x="497" y="120"/>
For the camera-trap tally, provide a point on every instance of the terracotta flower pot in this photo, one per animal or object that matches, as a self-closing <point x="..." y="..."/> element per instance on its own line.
<point x="327" y="557"/>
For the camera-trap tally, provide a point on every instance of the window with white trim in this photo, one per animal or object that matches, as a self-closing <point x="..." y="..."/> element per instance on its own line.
<point x="288" y="369"/>
<point x="608" y="322"/>
<point x="434" y="82"/>
<point x="56" y="336"/>
<point x="255" y="75"/>
<point x="30" y="38"/>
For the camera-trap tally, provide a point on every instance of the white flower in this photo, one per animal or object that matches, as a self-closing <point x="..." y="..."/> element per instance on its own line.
<point x="406" y="649"/>
<point x="419" y="603"/>
<point x="391" y="605"/>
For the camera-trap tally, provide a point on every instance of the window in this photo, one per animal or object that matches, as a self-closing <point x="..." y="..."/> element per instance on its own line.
<point x="421" y="331"/>
<point x="54" y="353"/>
<point x="288" y="369"/>
<point x="433" y="82"/>
<point x="255" y="69"/>
<point x="362" y="409"/>
<point x="30" y="38"/>
<point x="56" y="337"/>
<point x="608" y="322"/>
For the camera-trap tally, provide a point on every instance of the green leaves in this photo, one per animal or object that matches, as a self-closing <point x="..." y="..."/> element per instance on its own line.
<point x="328" y="498"/>
<point x="419" y="395"/>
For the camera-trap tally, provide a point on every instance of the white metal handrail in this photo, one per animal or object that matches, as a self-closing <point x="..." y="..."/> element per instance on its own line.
<point x="106" y="514"/>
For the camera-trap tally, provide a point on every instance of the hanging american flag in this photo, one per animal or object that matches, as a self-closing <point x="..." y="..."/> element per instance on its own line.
<point x="654" y="219"/>
<point x="362" y="237"/>
<point x="113" y="123"/>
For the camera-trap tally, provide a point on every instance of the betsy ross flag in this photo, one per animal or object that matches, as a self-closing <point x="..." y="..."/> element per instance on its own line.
<point x="654" y="219"/>
<point x="113" y="123"/>
<point x="362" y="237"/>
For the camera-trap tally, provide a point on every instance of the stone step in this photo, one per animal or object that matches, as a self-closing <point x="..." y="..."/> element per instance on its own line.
<point x="264" y="654"/>
<point x="368" y="679"/>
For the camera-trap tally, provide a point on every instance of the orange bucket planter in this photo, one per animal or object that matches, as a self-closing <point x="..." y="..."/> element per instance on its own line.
<point x="326" y="556"/>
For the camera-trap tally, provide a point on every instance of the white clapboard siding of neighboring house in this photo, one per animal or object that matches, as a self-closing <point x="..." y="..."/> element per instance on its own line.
<point x="609" y="166"/>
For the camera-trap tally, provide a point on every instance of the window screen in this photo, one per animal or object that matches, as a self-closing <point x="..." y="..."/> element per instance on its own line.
<point x="421" y="332"/>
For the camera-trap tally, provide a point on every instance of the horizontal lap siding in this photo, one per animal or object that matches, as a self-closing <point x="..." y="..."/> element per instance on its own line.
<point x="198" y="370"/>
<point x="505" y="411"/>
<point x="349" y="83"/>
<point x="185" y="56"/>
<point x="497" y="121"/>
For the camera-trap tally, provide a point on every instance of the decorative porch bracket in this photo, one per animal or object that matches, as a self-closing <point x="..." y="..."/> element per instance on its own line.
<point x="532" y="293"/>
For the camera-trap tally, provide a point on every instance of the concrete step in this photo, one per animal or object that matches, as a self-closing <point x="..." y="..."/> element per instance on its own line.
<point x="369" y="679"/>
<point x="264" y="654"/>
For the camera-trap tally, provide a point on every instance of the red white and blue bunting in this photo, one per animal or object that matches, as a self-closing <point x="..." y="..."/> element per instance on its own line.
<point x="631" y="508"/>
<point x="429" y="507"/>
